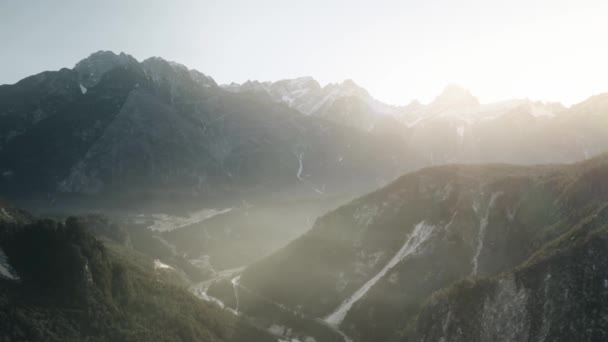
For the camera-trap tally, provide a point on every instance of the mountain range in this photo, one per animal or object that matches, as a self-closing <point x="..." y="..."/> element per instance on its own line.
<point x="115" y="128"/>
<point x="112" y="125"/>
<point x="455" y="126"/>
<point x="292" y="211"/>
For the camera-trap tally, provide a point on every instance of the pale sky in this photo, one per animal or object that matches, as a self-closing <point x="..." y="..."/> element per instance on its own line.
<point x="549" y="50"/>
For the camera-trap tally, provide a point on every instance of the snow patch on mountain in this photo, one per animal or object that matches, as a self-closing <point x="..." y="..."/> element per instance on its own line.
<point x="305" y="95"/>
<point x="159" y="265"/>
<point x="460" y="132"/>
<point x="422" y="231"/>
<point x="6" y="214"/>
<point x="483" y="224"/>
<point x="300" y="167"/>
<point x="235" y="287"/>
<point x="6" y="270"/>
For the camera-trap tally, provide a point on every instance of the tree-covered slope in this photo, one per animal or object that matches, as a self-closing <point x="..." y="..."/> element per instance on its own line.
<point x="68" y="286"/>
<point x="370" y="266"/>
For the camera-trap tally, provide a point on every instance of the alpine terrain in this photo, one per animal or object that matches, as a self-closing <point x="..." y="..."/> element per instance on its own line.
<point x="141" y="200"/>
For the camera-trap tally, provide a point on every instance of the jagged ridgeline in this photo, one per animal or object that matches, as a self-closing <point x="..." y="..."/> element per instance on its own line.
<point x="113" y="127"/>
<point x="454" y="253"/>
<point x="116" y="128"/>
<point x="58" y="282"/>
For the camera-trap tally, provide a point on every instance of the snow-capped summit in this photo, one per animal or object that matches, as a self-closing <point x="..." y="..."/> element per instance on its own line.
<point x="296" y="93"/>
<point x="346" y="102"/>
<point x="6" y="270"/>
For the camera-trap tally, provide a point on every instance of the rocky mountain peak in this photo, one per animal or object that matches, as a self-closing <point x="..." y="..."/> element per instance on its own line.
<point x="248" y="87"/>
<point x="159" y="69"/>
<point x="91" y="69"/>
<point x="348" y="87"/>
<point x="296" y="86"/>
<point x="454" y="97"/>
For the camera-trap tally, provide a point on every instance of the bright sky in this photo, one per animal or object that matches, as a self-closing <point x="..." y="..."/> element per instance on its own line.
<point x="549" y="50"/>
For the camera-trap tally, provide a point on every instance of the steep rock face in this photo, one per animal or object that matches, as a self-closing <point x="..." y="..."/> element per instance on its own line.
<point x="33" y="99"/>
<point x="37" y="159"/>
<point x="135" y="147"/>
<point x="368" y="268"/>
<point x="352" y="110"/>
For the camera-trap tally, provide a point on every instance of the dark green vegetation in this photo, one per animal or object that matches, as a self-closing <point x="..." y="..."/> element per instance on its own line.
<point x="141" y="240"/>
<point x="73" y="287"/>
<point x="482" y="221"/>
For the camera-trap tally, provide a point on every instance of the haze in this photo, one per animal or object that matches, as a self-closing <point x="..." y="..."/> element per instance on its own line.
<point x="398" y="50"/>
<point x="150" y="192"/>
